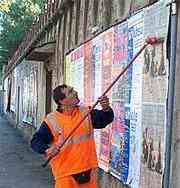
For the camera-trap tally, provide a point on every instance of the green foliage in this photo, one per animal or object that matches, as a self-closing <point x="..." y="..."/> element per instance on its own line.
<point x="16" y="18"/>
<point x="4" y="6"/>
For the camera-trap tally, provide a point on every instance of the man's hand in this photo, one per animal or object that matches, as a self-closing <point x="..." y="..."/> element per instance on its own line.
<point x="52" y="151"/>
<point x="104" y="102"/>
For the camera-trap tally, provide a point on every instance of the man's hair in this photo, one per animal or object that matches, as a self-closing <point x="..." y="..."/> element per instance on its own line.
<point x="58" y="94"/>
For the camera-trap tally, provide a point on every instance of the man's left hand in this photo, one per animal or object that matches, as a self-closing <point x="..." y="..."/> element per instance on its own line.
<point x="52" y="151"/>
<point x="104" y="102"/>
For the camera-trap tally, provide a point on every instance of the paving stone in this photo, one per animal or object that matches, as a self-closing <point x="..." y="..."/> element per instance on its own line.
<point x="20" y="167"/>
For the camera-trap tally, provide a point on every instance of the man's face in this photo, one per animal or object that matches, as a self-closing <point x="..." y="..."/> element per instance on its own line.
<point x="71" y="98"/>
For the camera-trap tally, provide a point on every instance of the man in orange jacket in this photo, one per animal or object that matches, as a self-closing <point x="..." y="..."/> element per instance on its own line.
<point x="73" y="166"/>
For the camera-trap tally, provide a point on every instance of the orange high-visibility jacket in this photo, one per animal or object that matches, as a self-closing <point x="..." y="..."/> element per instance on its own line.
<point x="79" y="153"/>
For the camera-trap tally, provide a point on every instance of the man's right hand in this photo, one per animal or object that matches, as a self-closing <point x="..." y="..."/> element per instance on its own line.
<point x="52" y="151"/>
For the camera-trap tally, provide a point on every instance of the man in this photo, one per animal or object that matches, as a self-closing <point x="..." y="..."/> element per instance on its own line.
<point x="73" y="165"/>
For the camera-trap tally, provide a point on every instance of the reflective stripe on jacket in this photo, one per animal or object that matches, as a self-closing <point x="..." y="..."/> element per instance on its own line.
<point x="79" y="153"/>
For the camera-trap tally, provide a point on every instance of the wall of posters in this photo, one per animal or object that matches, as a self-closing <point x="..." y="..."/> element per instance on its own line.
<point x="132" y="147"/>
<point x="26" y="92"/>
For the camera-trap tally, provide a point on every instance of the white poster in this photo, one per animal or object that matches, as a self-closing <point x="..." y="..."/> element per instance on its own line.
<point x="135" y="42"/>
<point x="6" y="88"/>
<point x="97" y="72"/>
<point x="13" y="90"/>
<point x="77" y="71"/>
<point x="68" y="70"/>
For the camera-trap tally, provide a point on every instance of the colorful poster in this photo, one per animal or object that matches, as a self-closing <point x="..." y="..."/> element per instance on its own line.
<point x="119" y="157"/>
<point x="154" y="96"/>
<point x="97" y="46"/>
<point x="135" y="42"/>
<point x="107" y="58"/>
<point x="120" y="89"/>
<point x="104" y="153"/>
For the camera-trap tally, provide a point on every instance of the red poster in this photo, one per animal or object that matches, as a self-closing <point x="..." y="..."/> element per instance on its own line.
<point x="107" y="58"/>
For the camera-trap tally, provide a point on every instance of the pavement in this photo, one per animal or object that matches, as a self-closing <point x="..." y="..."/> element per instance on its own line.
<point x="20" y="167"/>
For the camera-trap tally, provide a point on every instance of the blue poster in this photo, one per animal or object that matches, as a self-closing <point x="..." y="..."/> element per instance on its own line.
<point x="121" y="94"/>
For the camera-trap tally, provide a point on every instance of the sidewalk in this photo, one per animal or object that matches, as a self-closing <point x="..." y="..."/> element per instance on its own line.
<point x="20" y="167"/>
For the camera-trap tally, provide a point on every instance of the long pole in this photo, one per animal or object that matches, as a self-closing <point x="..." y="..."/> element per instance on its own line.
<point x="150" y="40"/>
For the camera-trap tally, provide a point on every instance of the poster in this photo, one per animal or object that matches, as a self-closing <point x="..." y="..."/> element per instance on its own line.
<point x="154" y="96"/>
<point x="104" y="151"/>
<point x="107" y="59"/>
<point x="77" y="71"/>
<point x="119" y="155"/>
<point x="97" y="79"/>
<point x="88" y="74"/>
<point x="35" y="95"/>
<point x="27" y="103"/>
<point x="97" y="46"/>
<point x="13" y="91"/>
<point x="6" y="88"/>
<point x="28" y="91"/>
<point x="68" y="69"/>
<point x="135" y="42"/>
<point x="120" y="89"/>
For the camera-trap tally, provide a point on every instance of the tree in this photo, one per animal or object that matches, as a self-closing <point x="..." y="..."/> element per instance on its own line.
<point x="4" y="6"/>
<point x="16" y="18"/>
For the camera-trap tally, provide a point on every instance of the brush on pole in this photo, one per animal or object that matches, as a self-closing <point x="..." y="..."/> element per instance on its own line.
<point x="149" y="40"/>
